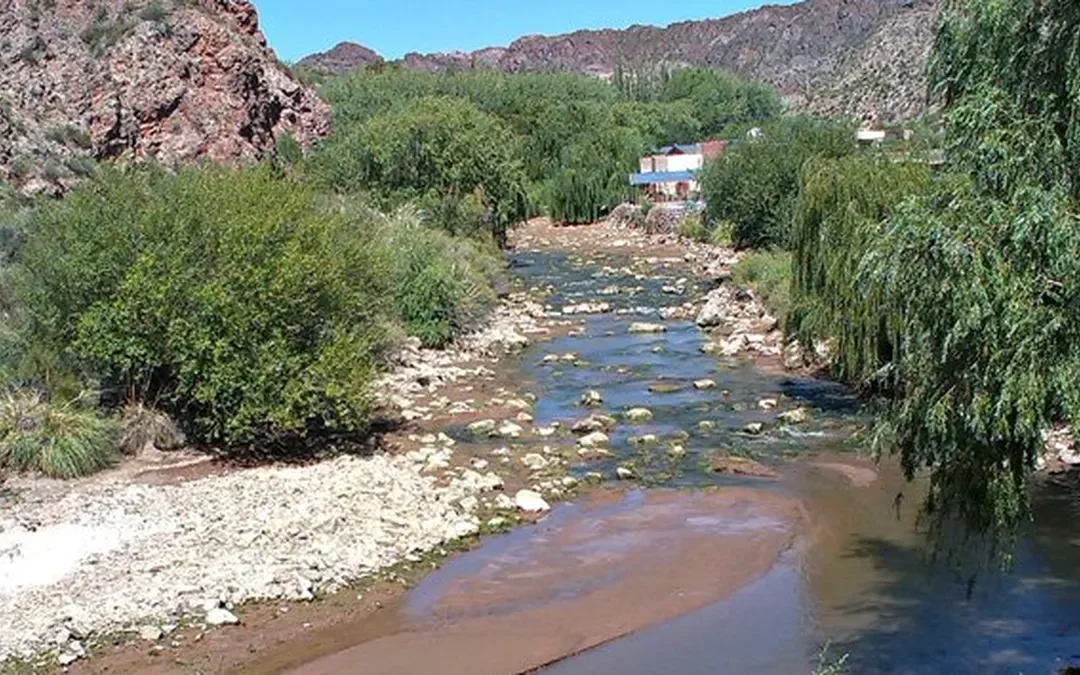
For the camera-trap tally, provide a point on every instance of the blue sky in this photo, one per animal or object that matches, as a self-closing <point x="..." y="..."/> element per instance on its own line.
<point x="296" y="28"/>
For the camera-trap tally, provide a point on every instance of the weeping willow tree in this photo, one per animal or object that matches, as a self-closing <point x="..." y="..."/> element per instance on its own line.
<point x="842" y="210"/>
<point x="969" y="294"/>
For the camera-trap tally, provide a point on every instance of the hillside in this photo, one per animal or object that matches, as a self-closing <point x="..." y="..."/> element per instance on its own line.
<point x="857" y="58"/>
<point x="175" y="80"/>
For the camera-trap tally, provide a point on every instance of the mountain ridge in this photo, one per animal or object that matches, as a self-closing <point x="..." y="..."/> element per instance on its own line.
<point x="814" y="52"/>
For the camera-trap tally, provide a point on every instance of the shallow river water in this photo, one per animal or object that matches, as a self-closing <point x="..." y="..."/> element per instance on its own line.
<point x="858" y="579"/>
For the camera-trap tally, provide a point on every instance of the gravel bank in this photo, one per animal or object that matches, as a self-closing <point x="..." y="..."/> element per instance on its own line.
<point x="108" y="557"/>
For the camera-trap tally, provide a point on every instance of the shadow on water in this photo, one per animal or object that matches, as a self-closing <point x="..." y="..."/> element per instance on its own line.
<point x="864" y="583"/>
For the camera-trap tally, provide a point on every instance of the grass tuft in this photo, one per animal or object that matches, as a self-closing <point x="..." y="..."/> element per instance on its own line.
<point x="59" y="441"/>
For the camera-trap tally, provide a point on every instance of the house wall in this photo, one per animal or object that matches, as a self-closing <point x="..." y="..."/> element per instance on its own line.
<point x="684" y="162"/>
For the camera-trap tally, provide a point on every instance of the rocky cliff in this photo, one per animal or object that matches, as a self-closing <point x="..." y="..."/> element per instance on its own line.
<point x="857" y="58"/>
<point x="174" y="80"/>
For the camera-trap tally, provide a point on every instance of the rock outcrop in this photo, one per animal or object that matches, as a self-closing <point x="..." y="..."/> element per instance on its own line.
<point x="172" y="80"/>
<point x="854" y="58"/>
<point x="345" y="56"/>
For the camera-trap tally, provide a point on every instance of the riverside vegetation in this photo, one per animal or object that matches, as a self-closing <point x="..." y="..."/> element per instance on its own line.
<point x="256" y="306"/>
<point x="952" y="296"/>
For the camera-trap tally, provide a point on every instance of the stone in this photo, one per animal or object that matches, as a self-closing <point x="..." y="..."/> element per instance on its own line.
<point x="593" y="423"/>
<point x="591" y="399"/>
<point x="510" y="430"/>
<point x="593" y="439"/>
<point x="706" y="425"/>
<point x="219" y="616"/>
<point x="482" y="427"/>
<point x="796" y="416"/>
<point x="702" y="385"/>
<point x="741" y="466"/>
<point x="150" y="633"/>
<point x="638" y="415"/>
<point x="665" y="387"/>
<point x="794" y="356"/>
<point x="587" y="308"/>
<point x="642" y="327"/>
<point x="768" y="403"/>
<point x="624" y="473"/>
<point x="534" y="461"/>
<point x="677" y="450"/>
<point x="498" y="522"/>
<point x="464" y="528"/>
<point x="524" y="417"/>
<point x="469" y="504"/>
<point x="503" y="502"/>
<point x="531" y="502"/>
<point x="754" y="428"/>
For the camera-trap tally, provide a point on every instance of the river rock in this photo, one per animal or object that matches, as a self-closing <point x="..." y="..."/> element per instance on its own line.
<point x="591" y="399"/>
<point x="534" y="461"/>
<point x="741" y="466"/>
<point x="643" y="327"/>
<point x="702" y="385"/>
<point x="593" y="439"/>
<point x="706" y="425"/>
<point x="796" y="416"/>
<point x="150" y="633"/>
<point x="665" y="387"/>
<point x="638" y="415"/>
<point x="510" y="430"/>
<point x="624" y="473"/>
<point x="754" y="428"/>
<point x="219" y="616"/>
<point x="593" y="423"/>
<point x="531" y="502"/>
<point x="768" y="403"/>
<point x="482" y="427"/>
<point x="587" y="308"/>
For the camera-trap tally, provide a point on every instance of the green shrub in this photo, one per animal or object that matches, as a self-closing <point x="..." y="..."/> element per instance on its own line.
<point x="755" y="185"/>
<point x="692" y="226"/>
<point x="229" y="297"/>
<point x="768" y="275"/>
<point x="440" y="285"/>
<point x="60" y="441"/>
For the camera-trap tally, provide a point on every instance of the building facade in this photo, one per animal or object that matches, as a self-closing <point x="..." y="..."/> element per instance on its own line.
<point x="671" y="173"/>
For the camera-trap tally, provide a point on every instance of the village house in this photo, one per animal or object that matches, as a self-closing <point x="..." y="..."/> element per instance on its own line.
<point x="671" y="173"/>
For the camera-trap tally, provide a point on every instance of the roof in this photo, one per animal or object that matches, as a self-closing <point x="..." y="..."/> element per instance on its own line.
<point x="661" y="177"/>
<point x="684" y="149"/>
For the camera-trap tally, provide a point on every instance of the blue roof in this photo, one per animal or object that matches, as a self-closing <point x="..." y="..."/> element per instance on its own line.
<point x="661" y="177"/>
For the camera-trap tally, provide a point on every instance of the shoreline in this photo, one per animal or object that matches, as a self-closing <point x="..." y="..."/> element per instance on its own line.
<point x="432" y="389"/>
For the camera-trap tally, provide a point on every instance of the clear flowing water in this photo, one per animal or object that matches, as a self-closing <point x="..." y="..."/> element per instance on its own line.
<point x="864" y="581"/>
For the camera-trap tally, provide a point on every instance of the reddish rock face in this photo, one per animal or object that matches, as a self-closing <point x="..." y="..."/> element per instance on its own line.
<point x="176" y="82"/>
<point x="341" y="59"/>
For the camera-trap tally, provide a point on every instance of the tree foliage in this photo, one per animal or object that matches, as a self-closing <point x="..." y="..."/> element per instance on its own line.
<point x="575" y="138"/>
<point x="968" y="296"/>
<point x="755" y="185"/>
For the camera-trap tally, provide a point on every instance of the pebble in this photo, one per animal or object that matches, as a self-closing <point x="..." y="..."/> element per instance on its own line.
<point x="754" y="428"/>
<point x="639" y="415"/>
<point x="482" y="427"/>
<point x="768" y="403"/>
<point x="705" y="384"/>
<point x="510" y="430"/>
<point x="624" y="473"/>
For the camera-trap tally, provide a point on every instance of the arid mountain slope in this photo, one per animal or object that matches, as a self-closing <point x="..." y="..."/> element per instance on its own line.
<point x="858" y="58"/>
<point x="175" y="80"/>
<point x="341" y="59"/>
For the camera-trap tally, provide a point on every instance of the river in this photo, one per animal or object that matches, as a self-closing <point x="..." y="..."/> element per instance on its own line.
<point x="858" y="578"/>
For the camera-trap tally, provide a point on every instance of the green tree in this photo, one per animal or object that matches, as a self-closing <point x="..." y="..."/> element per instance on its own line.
<point x="755" y="185"/>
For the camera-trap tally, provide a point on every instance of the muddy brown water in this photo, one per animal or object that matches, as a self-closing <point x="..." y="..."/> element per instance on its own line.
<point x="736" y="575"/>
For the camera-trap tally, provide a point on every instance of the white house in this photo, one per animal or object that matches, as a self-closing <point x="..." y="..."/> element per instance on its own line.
<point x="671" y="173"/>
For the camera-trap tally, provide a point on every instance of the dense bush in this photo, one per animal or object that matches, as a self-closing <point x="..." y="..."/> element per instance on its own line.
<point x="433" y="149"/>
<point x="226" y="296"/>
<point x="755" y="185"/>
